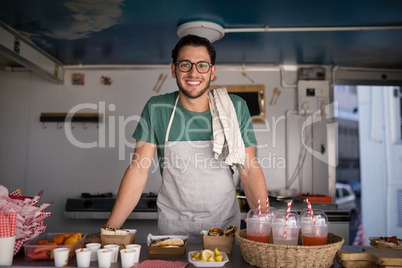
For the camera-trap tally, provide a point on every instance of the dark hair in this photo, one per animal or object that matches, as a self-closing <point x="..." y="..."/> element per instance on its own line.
<point x="195" y="41"/>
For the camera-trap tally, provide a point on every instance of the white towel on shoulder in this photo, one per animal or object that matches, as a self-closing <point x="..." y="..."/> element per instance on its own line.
<point x="228" y="142"/>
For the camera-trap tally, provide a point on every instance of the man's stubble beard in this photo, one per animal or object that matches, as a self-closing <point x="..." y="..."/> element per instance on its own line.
<point x="187" y="93"/>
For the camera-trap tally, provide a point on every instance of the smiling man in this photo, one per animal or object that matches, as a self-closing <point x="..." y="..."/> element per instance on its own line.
<point x="198" y="191"/>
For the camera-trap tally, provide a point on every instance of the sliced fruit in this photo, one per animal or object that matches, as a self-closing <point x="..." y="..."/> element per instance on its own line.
<point x="211" y="259"/>
<point x="206" y="254"/>
<point x="219" y="258"/>
<point x="217" y="252"/>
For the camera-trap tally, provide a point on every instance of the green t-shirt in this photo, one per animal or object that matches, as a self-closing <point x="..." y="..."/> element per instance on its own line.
<point x="186" y="125"/>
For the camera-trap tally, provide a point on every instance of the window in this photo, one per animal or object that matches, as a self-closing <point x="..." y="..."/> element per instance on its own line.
<point x="254" y="96"/>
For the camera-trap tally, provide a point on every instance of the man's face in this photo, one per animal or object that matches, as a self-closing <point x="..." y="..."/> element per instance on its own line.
<point x="193" y="84"/>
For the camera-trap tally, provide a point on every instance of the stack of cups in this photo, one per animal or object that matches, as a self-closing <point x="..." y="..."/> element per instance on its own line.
<point x="259" y="224"/>
<point x="285" y="227"/>
<point x="314" y="227"/>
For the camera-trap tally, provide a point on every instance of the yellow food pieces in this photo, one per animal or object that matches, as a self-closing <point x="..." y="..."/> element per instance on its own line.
<point x="217" y="253"/>
<point x="70" y="241"/>
<point x="196" y="255"/>
<point x="67" y="239"/>
<point x="59" y="239"/>
<point x="207" y="255"/>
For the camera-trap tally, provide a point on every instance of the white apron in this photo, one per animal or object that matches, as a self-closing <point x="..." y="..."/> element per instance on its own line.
<point x="197" y="192"/>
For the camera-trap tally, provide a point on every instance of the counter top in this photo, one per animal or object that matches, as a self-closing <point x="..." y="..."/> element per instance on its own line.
<point x="334" y="215"/>
<point x="235" y="258"/>
<point x="151" y="215"/>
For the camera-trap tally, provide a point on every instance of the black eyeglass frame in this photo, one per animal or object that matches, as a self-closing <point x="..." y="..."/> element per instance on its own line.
<point x="194" y="64"/>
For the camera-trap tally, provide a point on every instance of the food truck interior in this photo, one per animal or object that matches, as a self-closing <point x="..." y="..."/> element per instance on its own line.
<point x="322" y="80"/>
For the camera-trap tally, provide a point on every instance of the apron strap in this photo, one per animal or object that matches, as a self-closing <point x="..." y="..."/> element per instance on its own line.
<point x="171" y="120"/>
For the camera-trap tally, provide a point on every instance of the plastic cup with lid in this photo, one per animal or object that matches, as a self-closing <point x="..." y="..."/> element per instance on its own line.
<point x="285" y="229"/>
<point x="314" y="229"/>
<point x="259" y="228"/>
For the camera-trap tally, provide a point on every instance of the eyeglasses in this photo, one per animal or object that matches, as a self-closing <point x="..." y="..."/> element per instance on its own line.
<point x="202" y="67"/>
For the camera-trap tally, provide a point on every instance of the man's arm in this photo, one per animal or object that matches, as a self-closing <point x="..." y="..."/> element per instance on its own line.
<point x="132" y="184"/>
<point x="253" y="180"/>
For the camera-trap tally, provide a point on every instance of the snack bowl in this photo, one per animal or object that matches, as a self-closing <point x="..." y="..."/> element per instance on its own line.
<point x="208" y="264"/>
<point x="34" y="252"/>
<point x="222" y="243"/>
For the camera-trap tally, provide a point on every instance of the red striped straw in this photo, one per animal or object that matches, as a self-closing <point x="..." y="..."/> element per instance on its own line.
<point x="267" y="205"/>
<point x="310" y="209"/>
<point x="287" y="217"/>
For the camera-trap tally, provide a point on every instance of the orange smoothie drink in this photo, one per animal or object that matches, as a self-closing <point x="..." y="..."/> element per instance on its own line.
<point x="263" y="239"/>
<point x="259" y="225"/>
<point x="314" y="228"/>
<point x="314" y="240"/>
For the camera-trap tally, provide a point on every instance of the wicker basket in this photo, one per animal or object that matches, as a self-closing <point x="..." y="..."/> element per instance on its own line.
<point x="271" y="255"/>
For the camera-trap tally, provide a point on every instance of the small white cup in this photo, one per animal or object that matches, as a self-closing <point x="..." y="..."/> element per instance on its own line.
<point x="61" y="256"/>
<point x="7" y="250"/>
<point x="137" y="248"/>
<point x="127" y="257"/>
<point x="104" y="257"/>
<point x="83" y="256"/>
<point x="115" y="249"/>
<point x="94" y="247"/>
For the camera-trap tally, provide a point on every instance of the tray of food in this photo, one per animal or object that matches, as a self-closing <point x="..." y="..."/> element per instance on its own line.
<point x="41" y="247"/>
<point x="391" y="242"/>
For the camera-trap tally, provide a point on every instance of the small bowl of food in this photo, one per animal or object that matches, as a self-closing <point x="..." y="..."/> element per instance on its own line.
<point x="207" y="258"/>
<point x="218" y="238"/>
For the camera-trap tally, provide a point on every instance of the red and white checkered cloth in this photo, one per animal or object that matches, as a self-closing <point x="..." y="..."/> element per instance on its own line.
<point x="29" y="217"/>
<point x="162" y="264"/>
<point x="8" y="222"/>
